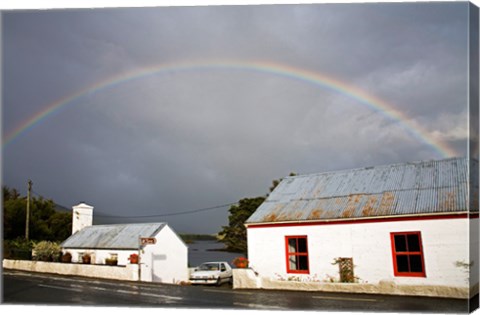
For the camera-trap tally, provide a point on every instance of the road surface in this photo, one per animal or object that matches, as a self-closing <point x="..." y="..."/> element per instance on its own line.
<point x="25" y="288"/>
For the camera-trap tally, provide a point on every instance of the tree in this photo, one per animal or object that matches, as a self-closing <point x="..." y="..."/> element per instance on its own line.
<point x="9" y="194"/>
<point x="14" y="218"/>
<point x="45" y="222"/>
<point x="234" y="236"/>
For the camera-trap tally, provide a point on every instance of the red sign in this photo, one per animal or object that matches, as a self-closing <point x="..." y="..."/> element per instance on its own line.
<point x="148" y="240"/>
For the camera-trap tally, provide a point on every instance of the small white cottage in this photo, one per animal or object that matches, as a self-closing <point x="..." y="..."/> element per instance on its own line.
<point x="411" y="226"/>
<point x="163" y="256"/>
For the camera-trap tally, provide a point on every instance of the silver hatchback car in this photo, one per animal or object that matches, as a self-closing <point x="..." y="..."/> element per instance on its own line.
<point x="214" y="272"/>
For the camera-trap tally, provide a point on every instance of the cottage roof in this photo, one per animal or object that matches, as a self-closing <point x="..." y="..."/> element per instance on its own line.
<point x="425" y="187"/>
<point x="115" y="236"/>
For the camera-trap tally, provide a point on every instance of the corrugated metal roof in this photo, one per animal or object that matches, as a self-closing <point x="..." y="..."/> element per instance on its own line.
<point x="424" y="187"/>
<point x="115" y="236"/>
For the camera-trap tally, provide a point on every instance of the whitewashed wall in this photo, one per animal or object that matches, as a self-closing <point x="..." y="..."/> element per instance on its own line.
<point x="474" y="251"/>
<point x="82" y="216"/>
<point x="165" y="261"/>
<point x="98" y="256"/>
<point x="128" y="273"/>
<point x="445" y="246"/>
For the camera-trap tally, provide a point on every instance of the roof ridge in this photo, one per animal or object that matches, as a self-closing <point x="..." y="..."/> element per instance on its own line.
<point x="120" y="224"/>
<point x="347" y="170"/>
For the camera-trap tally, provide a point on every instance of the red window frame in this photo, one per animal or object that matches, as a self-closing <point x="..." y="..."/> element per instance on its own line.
<point x="296" y="254"/>
<point x="408" y="254"/>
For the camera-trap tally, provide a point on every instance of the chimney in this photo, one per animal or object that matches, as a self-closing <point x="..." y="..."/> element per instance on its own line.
<point x="82" y="217"/>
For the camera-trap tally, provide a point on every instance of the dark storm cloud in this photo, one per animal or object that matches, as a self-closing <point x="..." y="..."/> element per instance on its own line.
<point x="185" y="140"/>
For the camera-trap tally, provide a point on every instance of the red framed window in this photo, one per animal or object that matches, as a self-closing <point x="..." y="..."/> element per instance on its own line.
<point x="407" y="254"/>
<point x="297" y="254"/>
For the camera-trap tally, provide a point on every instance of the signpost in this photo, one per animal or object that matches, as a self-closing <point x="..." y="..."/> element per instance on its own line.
<point x="148" y="240"/>
<point x="142" y="242"/>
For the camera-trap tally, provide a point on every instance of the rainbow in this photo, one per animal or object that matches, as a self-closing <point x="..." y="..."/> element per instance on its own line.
<point x="317" y="79"/>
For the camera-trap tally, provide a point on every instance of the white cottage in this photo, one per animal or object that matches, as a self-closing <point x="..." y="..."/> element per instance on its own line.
<point x="407" y="228"/>
<point x="162" y="253"/>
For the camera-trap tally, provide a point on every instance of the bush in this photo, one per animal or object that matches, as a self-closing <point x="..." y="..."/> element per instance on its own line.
<point x="47" y="251"/>
<point x="19" y="249"/>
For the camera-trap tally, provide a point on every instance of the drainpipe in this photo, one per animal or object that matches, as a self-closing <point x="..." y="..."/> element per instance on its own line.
<point x="139" y="258"/>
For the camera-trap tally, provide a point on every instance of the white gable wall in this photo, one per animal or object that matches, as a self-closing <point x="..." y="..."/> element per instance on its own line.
<point x="445" y="247"/>
<point x="165" y="261"/>
<point x="474" y="251"/>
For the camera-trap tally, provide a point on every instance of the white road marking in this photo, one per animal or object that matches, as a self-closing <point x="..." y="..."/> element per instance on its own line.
<point x="78" y="288"/>
<point x="58" y="287"/>
<point x="168" y="297"/>
<point x="343" y="298"/>
<point x="162" y="296"/>
<point x="259" y="306"/>
<point x="229" y="292"/>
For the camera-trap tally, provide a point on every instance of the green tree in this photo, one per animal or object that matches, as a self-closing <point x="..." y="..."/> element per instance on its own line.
<point x="14" y="218"/>
<point x="9" y="194"/>
<point x="46" y="224"/>
<point x="60" y="225"/>
<point x="234" y="236"/>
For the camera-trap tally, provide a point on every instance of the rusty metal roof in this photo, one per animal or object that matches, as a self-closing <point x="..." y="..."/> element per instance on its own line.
<point x="426" y="187"/>
<point x="115" y="236"/>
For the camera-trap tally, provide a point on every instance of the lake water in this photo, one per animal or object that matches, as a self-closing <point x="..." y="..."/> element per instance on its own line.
<point x="202" y="251"/>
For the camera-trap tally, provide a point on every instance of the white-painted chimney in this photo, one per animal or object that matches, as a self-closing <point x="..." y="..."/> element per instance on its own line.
<point x="82" y="217"/>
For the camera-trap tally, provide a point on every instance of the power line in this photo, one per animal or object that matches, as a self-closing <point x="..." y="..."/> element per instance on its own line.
<point x="101" y="215"/>
<point x="166" y="214"/>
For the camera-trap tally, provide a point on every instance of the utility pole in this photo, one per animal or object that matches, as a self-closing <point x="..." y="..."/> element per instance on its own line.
<point x="27" y="224"/>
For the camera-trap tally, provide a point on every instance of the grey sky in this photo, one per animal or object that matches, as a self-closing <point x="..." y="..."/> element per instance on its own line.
<point x="200" y="137"/>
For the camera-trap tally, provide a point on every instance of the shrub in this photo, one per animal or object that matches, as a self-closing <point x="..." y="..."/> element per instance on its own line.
<point x="19" y="249"/>
<point x="47" y="251"/>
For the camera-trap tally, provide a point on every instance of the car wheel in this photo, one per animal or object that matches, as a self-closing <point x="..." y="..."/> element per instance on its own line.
<point x="219" y="282"/>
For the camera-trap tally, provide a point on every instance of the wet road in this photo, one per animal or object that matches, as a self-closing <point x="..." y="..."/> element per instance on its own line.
<point x="22" y="288"/>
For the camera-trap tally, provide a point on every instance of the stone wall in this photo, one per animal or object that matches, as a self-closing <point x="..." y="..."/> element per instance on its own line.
<point x="248" y="279"/>
<point x="129" y="272"/>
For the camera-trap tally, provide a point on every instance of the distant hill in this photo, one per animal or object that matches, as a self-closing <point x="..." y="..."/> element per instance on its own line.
<point x="190" y="238"/>
<point x="60" y="208"/>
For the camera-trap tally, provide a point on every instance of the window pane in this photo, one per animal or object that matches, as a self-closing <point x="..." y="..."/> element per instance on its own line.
<point x="402" y="263"/>
<point x="292" y="245"/>
<point x="413" y="243"/>
<point x="302" y="245"/>
<point x="297" y="253"/>
<point x="415" y="263"/>
<point x="292" y="262"/>
<point x="302" y="262"/>
<point x="400" y="243"/>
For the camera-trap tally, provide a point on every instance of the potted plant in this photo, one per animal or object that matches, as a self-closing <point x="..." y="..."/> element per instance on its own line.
<point x="66" y="258"/>
<point x="133" y="258"/>
<point x="86" y="258"/>
<point x="240" y="262"/>
<point x="111" y="261"/>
